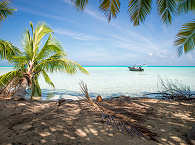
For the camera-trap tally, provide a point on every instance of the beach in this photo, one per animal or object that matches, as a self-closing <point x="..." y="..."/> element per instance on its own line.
<point x="77" y="123"/>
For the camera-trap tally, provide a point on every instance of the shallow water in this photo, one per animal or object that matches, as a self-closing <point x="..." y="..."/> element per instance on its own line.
<point x="113" y="81"/>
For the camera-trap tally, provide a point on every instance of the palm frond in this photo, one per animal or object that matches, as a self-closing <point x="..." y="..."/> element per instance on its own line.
<point x="47" y="79"/>
<point x="185" y="39"/>
<point x="20" y="62"/>
<point x="6" y="78"/>
<point x="166" y="9"/>
<point x="81" y="4"/>
<point x="5" y="10"/>
<point x="186" y="6"/>
<point x="8" y="50"/>
<point x="57" y="63"/>
<point x="110" y="7"/>
<point x="51" y="47"/>
<point x="138" y="10"/>
<point x="41" y="30"/>
<point x="28" y="45"/>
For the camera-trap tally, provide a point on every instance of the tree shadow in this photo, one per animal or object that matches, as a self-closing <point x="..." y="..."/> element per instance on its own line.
<point x="26" y="122"/>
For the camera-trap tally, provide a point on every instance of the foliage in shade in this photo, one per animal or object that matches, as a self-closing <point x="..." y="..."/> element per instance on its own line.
<point x="166" y="9"/>
<point x="5" y="10"/>
<point x="80" y="3"/>
<point x="138" y="10"/>
<point x="186" y="6"/>
<point x="186" y="38"/>
<point x="110" y="8"/>
<point x="34" y="60"/>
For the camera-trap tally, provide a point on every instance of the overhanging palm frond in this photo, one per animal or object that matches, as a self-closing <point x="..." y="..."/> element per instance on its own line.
<point x="186" y="38"/>
<point x="110" y="7"/>
<point x="81" y="4"/>
<point x="186" y="6"/>
<point x="138" y="10"/>
<point x="166" y="9"/>
<point x="5" y="10"/>
<point x="7" y="50"/>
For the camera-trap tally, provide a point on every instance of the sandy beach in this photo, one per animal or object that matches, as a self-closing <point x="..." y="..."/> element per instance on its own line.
<point x="77" y="123"/>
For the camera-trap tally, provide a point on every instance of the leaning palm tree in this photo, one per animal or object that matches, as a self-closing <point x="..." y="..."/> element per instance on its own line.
<point x="5" y="10"/>
<point x="140" y="9"/>
<point x="35" y="59"/>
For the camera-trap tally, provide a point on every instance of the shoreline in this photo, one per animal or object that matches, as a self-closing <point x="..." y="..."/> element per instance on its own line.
<point x="75" y="122"/>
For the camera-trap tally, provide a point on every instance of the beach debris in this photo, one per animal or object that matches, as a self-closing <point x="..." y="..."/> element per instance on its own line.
<point x="99" y="98"/>
<point x="61" y="101"/>
<point x="174" y="90"/>
<point x="111" y="118"/>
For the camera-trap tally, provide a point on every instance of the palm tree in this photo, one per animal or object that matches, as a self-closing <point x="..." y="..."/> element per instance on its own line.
<point x="140" y="9"/>
<point x="33" y="61"/>
<point x="5" y="10"/>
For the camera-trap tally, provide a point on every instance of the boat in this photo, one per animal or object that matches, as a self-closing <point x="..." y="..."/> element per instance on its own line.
<point x="136" y="68"/>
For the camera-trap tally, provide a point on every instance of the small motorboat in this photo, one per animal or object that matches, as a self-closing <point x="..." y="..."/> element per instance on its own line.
<point x="136" y="68"/>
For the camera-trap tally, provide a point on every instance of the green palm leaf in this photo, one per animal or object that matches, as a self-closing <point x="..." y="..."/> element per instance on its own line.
<point x="5" y="10"/>
<point x="7" y="50"/>
<point x="166" y="9"/>
<point x="186" y="38"/>
<point x="138" y="10"/>
<point x="81" y="4"/>
<point x="51" y="46"/>
<point x="186" y="6"/>
<point x="110" y="7"/>
<point x="47" y="79"/>
<point x="41" y="30"/>
<point x="6" y="78"/>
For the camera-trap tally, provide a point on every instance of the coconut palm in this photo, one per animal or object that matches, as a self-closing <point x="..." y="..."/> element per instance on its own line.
<point x="140" y="9"/>
<point x="35" y="59"/>
<point x="5" y="10"/>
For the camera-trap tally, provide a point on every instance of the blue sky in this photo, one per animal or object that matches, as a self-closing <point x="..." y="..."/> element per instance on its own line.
<point x="89" y="39"/>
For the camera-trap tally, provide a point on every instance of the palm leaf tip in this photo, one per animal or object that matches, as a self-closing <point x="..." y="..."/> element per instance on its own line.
<point x="166" y="9"/>
<point x="138" y="10"/>
<point x="81" y="4"/>
<point x="5" y="10"/>
<point x="185" y="6"/>
<point x="110" y="8"/>
<point x="185" y="39"/>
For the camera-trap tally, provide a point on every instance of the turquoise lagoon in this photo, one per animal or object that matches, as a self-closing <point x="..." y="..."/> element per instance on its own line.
<point x="113" y="81"/>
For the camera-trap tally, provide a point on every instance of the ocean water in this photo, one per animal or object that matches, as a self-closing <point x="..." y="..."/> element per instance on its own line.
<point x="113" y="81"/>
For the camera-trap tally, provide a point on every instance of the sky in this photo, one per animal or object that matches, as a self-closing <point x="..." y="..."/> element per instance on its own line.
<point x="89" y="39"/>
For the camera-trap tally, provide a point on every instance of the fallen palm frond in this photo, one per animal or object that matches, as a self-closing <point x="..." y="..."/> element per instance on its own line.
<point x="109" y="117"/>
<point x="174" y="90"/>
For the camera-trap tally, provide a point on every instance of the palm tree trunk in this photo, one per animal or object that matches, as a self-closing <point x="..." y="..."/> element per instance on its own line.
<point x="21" y="90"/>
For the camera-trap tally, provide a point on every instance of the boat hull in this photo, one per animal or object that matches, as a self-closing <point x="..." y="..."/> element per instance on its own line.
<point x="135" y="69"/>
